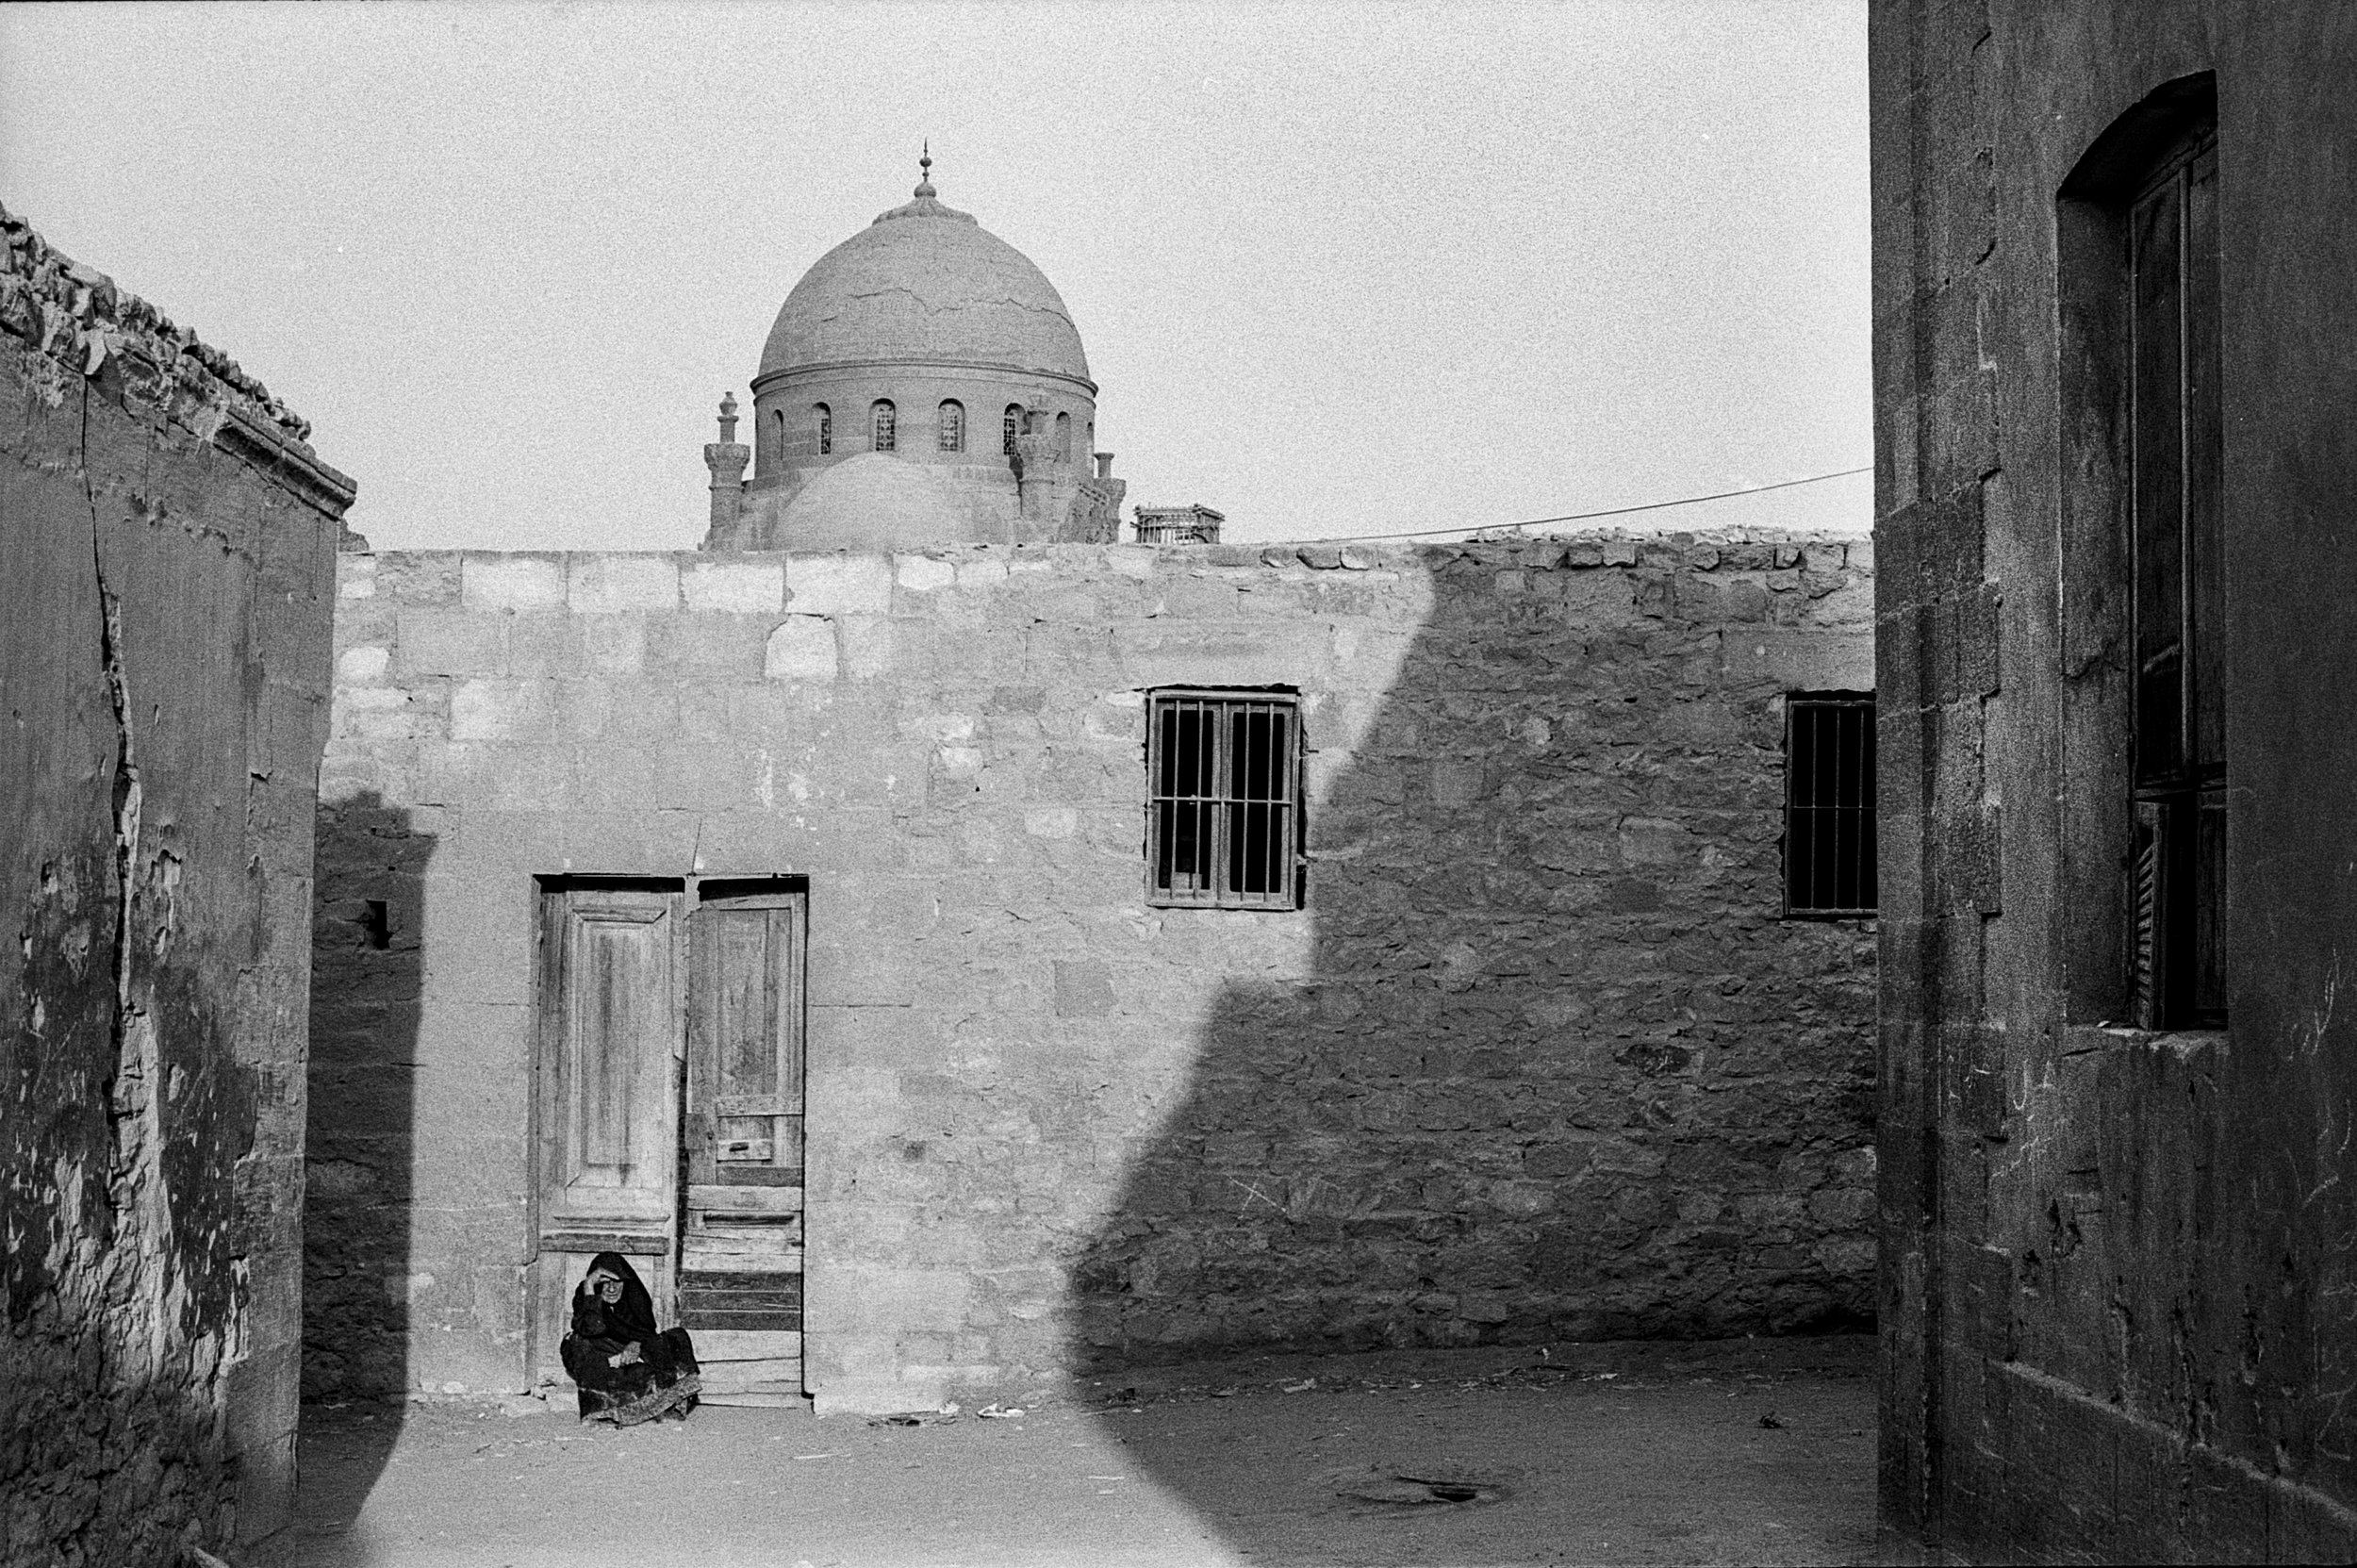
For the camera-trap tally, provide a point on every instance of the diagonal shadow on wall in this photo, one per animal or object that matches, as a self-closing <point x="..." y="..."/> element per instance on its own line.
<point x="1558" y="1069"/>
<point x="366" y="981"/>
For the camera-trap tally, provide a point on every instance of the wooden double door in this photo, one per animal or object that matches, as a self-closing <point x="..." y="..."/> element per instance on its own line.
<point x="670" y="1114"/>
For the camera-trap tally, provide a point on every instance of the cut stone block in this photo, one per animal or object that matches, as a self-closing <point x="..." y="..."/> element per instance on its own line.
<point x="512" y="581"/>
<point x="801" y="649"/>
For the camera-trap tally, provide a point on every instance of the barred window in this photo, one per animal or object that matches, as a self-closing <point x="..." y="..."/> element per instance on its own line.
<point x="886" y="433"/>
<point x="1223" y="827"/>
<point x="952" y="428"/>
<point x="1010" y="426"/>
<point x="824" y="417"/>
<point x="1829" y="804"/>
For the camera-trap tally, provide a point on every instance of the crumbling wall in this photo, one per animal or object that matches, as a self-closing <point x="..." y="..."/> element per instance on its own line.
<point x="164" y="632"/>
<point x="1538" y="1057"/>
<point x="2119" y="1300"/>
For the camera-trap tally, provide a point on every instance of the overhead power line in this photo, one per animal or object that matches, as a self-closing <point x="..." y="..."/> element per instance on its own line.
<point x="1590" y="517"/>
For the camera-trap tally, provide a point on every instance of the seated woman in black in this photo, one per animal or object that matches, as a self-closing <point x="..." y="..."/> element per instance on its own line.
<point x="626" y="1371"/>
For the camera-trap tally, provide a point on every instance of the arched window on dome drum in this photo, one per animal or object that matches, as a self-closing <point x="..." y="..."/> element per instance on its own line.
<point x="1063" y="438"/>
<point x="887" y="437"/>
<point x="953" y="426"/>
<point x="1010" y="428"/>
<point x="777" y="438"/>
<point x="823" y="418"/>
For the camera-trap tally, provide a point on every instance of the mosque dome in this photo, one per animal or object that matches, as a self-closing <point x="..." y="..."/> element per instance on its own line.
<point x="924" y="385"/>
<point x="925" y="284"/>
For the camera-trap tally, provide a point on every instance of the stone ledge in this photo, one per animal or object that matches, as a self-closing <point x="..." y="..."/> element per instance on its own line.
<point x="2079" y="1039"/>
<point x="270" y="447"/>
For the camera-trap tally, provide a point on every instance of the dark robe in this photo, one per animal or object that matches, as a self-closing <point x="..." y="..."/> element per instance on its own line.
<point x="663" y="1379"/>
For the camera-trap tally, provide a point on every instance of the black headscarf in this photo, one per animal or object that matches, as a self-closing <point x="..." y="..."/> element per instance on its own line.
<point x="631" y="1319"/>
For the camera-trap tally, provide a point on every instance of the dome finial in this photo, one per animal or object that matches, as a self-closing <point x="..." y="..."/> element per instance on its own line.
<point x="927" y="205"/>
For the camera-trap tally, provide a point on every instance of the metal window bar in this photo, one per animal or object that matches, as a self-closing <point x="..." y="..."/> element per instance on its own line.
<point x="1223" y="820"/>
<point x="1829" y="841"/>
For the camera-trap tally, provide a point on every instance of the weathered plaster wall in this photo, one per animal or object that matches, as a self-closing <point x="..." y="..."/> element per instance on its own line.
<point x="2119" y="1310"/>
<point x="164" y="629"/>
<point x="1538" y="1057"/>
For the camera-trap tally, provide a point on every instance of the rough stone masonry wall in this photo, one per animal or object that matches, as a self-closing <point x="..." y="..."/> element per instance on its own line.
<point x="2119" y="1300"/>
<point x="1538" y="1057"/>
<point x="164" y="630"/>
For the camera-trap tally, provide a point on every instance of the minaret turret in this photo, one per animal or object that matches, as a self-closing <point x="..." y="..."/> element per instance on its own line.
<point x="726" y="458"/>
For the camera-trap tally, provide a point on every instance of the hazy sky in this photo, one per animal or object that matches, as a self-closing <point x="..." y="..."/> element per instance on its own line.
<point x="1340" y="269"/>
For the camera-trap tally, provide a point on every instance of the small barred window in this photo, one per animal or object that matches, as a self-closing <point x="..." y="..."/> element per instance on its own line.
<point x="886" y="434"/>
<point x="1829" y="805"/>
<point x="1224" y="818"/>
<point x="824" y="417"/>
<point x="953" y="426"/>
<point x="1009" y="427"/>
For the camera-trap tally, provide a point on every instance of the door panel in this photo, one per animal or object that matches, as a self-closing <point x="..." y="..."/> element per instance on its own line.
<point x="607" y="1065"/>
<point x="741" y="1253"/>
<point x="617" y="1062"/>
<point x="745" y="1029"/>
<point x="721" y="1301"/>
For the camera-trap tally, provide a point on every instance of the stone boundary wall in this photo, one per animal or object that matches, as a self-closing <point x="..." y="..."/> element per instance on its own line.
<point x="1539" y="1058"/>
<point x="164" y="656"/>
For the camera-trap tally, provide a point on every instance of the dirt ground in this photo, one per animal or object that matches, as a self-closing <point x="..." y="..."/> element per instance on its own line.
<point x="1749" y="1452"/>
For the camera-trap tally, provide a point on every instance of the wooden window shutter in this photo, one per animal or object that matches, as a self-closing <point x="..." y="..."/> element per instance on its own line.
<point x="2177" y="540"/>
